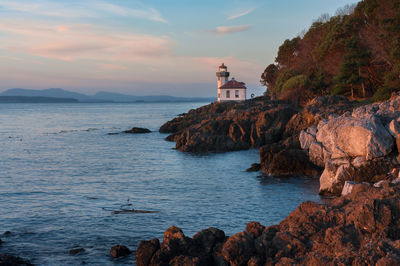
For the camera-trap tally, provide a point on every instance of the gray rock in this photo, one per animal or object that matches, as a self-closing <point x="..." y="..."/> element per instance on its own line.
<point x="353" y="137"/>
<point x="316" y="154"/>
<point x="394" y="128"/>
<point x="359" y="162"/>
<point x="396" y="181"/>
<point x="380" y="183"/>
<point x="307" y="137"/>
<point x="348" y="187"/>
<point x="334" y="175"/>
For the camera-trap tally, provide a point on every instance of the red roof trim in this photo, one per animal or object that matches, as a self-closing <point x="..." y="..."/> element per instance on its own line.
<point x="233" y="84"/>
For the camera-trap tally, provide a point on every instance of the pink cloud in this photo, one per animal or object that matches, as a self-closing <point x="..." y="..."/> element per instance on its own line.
<point x="75" y="41"/>
<point x="223" y="30"/>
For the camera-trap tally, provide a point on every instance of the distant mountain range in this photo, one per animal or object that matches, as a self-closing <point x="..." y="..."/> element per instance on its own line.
<point x="35" y="99"/>
<point x="58" y="94"/>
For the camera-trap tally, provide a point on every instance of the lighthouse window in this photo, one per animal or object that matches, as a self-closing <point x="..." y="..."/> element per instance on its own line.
<point x="228" y="94"/>
<point x="236" y="93"/>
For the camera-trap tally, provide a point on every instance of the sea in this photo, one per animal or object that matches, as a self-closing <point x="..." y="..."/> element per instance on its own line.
<point x="64" y="180"/>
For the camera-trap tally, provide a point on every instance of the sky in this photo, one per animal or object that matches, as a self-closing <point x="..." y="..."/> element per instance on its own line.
<point x="153" y="47"/>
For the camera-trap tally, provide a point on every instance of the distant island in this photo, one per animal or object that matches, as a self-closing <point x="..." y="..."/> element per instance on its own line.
<point x="57" y="95"/>
<point x="35" y="99"/>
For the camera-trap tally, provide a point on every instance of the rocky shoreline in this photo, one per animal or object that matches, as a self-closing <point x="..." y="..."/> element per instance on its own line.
<point x="353" y="150"/>
<point x="329" y="137"/>
<point x="361" y="228"/>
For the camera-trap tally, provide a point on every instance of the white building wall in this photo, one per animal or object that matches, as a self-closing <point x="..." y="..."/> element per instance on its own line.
<point x="222" y="81"/>
<point x="222" y="94"/>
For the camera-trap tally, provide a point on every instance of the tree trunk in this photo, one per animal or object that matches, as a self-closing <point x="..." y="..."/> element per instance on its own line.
<point x="352" y="91"/>
<point x="363" y="89"/>
<point x="362" y="83"/>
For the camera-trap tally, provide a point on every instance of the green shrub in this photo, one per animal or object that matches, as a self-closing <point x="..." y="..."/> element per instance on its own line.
<point x="338" y="89"/>
<point x="383" y="93"/>
<point x="282" y="78"/>
<point x="296" y="82"/>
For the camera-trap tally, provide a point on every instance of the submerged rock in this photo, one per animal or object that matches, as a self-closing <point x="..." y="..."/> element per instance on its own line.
<point x="13" y="260"/>
<point x="119" y="251"/>
<point x="137" y="130"/>
<point x="255" y="167"/>
<point x="75" y="251"/>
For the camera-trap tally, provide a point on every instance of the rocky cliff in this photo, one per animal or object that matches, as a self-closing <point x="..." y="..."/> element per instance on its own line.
<point x="355" y="146"/>
<point x="272" y="126"/>
<point x="361" y="228"/>
<point x="230" y="126"/>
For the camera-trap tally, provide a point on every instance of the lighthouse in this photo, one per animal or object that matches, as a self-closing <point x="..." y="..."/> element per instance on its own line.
<point x="229" y="90"/>
<point x="222" y="76"/>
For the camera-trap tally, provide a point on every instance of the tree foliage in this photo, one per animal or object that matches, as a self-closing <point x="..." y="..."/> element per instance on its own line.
<point x="355" y="53"/>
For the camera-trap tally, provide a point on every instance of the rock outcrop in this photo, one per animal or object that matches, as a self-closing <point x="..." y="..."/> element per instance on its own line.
<point x="360" y="228"/>
<point x="230" y="126"/>
<point x="357" y="146"/>
<point x="286" y="156"/>
<point x="274" y="126"/>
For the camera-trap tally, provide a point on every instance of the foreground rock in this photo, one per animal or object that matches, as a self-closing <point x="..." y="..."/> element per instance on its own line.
<point x="361" y="228"/>
<point x="10" y="260"/>
<point x="357" y="146"/>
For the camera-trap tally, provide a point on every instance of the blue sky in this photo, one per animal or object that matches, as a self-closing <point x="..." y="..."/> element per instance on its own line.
<point x="169" y="47"/>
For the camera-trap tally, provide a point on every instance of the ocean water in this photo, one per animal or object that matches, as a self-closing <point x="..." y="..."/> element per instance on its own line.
<point x="62" y="176"/>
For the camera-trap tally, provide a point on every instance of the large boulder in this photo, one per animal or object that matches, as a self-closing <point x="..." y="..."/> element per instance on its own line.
<point x="145" y="251"/>
<point x="239" y="248"/>
<point x="356" y="146"/>
<point x="177" y="249"/>
<point x="354" y="137"/>
<point x="206" y="239"/>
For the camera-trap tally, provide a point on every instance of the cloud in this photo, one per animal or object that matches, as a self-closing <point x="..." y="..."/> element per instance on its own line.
<point x="82" y="10"/>
<point x="143" y="13"/>
<point x="47" y="8"/>
<point x="223" y="30"/>
<point x="240" y="13"/>
<point x="73" y="42"/>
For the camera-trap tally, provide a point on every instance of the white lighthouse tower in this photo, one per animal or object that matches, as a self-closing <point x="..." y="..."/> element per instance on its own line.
<point x="231" y="90"/>
<point x="222" y="75"/>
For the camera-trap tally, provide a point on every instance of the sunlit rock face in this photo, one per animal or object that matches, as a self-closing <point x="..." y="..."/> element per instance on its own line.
<point x="357" y="146"/>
